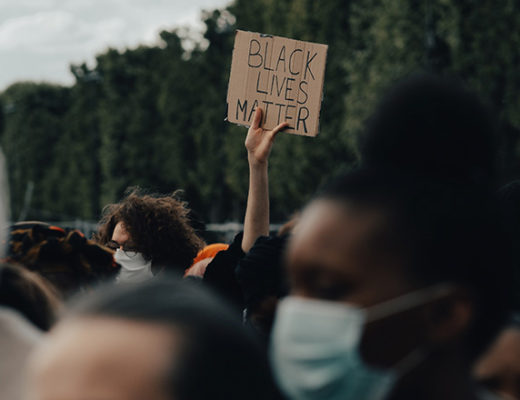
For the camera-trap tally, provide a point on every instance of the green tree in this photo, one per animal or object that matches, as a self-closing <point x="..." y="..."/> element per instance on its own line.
<point x="129" y="119"/>
<point x="75" y="174"/>
<point x="34" y="116"/>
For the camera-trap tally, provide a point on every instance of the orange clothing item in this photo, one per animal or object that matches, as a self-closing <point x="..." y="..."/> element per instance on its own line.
<point x="210" y="251"/>
<point x="206" y="253"/>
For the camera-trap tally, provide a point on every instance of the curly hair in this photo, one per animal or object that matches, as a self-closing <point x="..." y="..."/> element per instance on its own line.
<point x="65" y="258"/>
<point x="158" y="226"/>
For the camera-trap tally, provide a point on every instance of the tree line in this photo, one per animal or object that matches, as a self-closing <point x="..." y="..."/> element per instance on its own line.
<point x="154" y="116"/>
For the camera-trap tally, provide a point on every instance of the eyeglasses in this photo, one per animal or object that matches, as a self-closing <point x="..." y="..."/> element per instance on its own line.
<point x="113" y="245"/>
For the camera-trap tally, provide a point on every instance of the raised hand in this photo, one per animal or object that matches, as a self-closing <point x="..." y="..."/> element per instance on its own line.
<point x="259" y="141"/>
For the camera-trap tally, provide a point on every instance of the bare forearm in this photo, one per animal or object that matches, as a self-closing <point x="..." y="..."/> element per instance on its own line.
<point x="258" y="144"/>
<point x="256" y="221"/>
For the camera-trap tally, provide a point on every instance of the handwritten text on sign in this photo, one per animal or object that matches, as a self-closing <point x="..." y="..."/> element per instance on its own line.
<point x="283" y="76"/>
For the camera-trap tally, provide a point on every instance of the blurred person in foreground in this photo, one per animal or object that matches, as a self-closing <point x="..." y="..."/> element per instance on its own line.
<point x="499" y="368"/>
<point x="29" y="294"/>
<point x="396" y="287"/>
<point x="28" y="307"/>
<point x="18" y="337"/>
<point x="509" y="197"/>
<point x="399" y="271"/>
<point x="149" y="233"/>
<point x="162" y="339"/>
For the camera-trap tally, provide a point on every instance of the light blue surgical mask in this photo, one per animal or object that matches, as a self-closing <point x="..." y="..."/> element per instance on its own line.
<point x="315" y="348"/>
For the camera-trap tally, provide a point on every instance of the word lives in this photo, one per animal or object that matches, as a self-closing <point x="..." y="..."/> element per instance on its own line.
<point x="283" y="76"/>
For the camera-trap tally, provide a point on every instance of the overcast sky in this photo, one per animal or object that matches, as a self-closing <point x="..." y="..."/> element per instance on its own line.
<point x="39" y="39"/>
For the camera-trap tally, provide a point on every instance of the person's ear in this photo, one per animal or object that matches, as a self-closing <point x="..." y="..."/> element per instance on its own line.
<point x="449" y="318"/>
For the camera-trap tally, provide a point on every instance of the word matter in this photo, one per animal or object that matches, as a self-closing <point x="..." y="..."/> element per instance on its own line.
<point x="283" y="76"/>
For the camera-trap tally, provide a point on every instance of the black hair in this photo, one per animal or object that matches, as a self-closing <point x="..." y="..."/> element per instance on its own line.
<point x="444" y="233"/>
<point x="221" y="359"/>
<point x="432" y="126"/>
<point x="509" y="197"/>
<point x="29" y="294"/>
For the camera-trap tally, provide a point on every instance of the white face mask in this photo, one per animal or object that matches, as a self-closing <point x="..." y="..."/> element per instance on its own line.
<point x="134" y="267"/>
<point x="315" y="348"/>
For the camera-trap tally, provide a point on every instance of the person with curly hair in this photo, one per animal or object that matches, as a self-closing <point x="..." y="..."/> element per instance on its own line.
<point x="149" y="233"/>
<point x="64" y="257"/>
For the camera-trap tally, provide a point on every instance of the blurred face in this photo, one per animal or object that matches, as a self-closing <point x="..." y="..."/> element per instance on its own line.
<point x="337" y="253"/>
<point x="332" y="257"/>
<point x="102" y="359"/>
<point x="499" y="368"/>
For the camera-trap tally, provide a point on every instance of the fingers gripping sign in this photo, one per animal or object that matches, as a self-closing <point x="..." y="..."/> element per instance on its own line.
<point x="259" y="141"/>
<point x="282" y="75"/>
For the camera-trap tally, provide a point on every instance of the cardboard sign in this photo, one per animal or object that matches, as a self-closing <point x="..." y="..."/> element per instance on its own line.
<point x="283" y="76"/>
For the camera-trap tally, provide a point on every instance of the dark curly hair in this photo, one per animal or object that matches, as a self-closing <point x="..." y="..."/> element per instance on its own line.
<point x="158" y="225"/>
<point x="65" y="258"/>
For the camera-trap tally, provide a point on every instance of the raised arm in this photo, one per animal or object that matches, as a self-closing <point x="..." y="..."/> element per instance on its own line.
<point x="258" y="144"/>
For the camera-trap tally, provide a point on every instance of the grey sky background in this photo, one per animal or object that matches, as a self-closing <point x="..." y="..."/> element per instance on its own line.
<point x="39" y="39"/>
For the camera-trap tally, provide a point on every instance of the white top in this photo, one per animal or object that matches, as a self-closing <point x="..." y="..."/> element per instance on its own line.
<point x="17" y="338"/>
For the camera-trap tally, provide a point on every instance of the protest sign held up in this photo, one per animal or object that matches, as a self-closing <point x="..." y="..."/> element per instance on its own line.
<point x="283" y="76"/>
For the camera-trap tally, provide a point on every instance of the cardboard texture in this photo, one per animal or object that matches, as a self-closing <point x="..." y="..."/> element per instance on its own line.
<point x="283" y="76"/>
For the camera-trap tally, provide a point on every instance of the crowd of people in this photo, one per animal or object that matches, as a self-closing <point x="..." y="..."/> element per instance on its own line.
<point x="398" y="280"/>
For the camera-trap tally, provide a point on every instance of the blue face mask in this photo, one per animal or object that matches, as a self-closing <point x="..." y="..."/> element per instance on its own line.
<point x="315" y="348"/>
